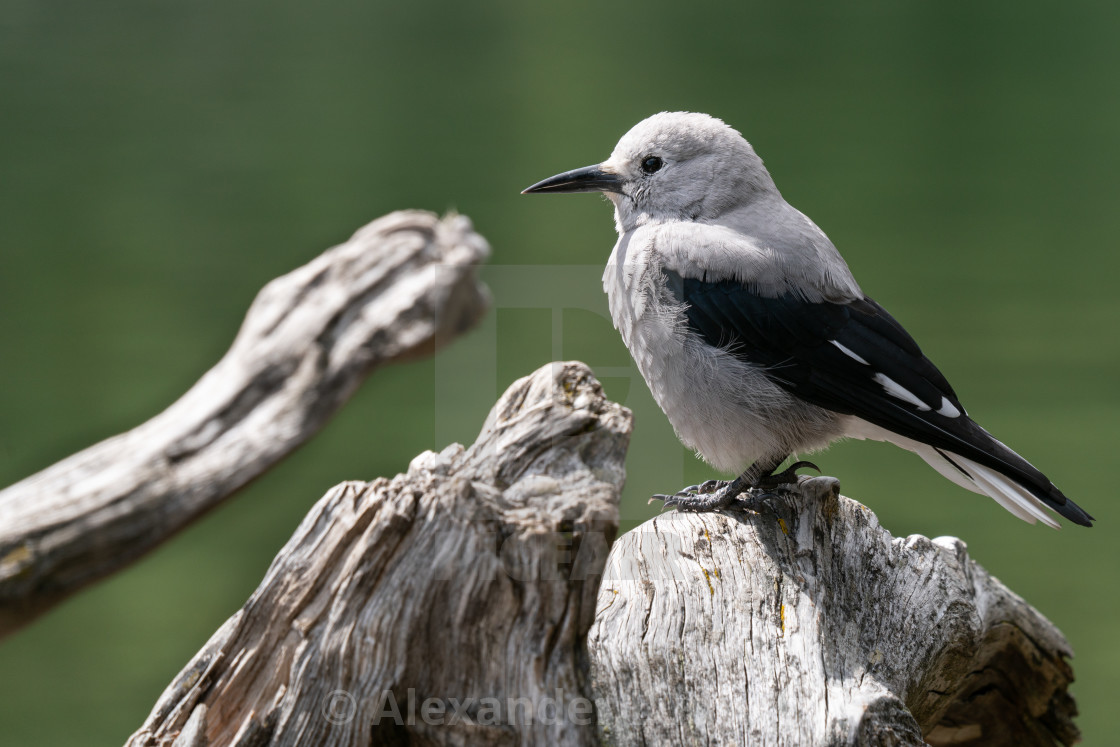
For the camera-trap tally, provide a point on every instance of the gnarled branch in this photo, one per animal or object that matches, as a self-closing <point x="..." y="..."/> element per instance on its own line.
<point x="399" y="287"/>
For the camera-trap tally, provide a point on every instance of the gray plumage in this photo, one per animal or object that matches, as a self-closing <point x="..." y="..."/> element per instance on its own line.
<point x="751" y="332"/>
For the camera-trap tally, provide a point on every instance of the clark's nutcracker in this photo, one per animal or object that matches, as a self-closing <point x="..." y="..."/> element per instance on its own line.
<point x="754" y="337"/>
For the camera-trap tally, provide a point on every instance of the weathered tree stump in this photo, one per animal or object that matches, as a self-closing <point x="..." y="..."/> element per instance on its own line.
<point x="449" y="605"/>
<point x="801" y="621"/>
<point x="398" y="288"/>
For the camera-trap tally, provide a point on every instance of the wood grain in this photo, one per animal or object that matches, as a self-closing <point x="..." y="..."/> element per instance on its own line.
<point x="467" y="584"/>
<point x="800" y="621"/>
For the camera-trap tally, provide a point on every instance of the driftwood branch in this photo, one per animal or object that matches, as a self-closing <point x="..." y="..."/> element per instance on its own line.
<point x="448" y="605"/>
<point x="801" y="621"/>
<point x="399" y="287"/>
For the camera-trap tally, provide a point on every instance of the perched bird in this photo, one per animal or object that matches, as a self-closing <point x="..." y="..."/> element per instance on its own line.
<point x="754" y="337"/>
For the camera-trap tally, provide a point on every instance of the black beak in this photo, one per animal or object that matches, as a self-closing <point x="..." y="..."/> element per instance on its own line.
<point x="587" y="179"/>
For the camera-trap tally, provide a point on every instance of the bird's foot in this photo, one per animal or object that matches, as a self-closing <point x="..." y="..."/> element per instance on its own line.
<point x="708" y="486"/>
<point x="785" y="478"/>
<point x="710" y="495"/>
<point x="716" y="494"/>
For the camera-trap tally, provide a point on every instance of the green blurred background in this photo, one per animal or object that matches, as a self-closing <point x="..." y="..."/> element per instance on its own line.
<point x="159" y="162"/>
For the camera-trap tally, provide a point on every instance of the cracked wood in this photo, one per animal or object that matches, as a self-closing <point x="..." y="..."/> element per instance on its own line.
<point x="801" y="621"/>
<point x="470" y="578"/>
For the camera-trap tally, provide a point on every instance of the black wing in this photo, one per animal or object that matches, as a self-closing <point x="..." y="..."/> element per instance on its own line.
<point x="852" y="358"/>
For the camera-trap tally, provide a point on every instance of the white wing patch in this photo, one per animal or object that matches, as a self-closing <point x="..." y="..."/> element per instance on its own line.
<point x="948" y="410"/>
<point x="893" y="388"/>
<point x="896" y="390"/>
<point x="850" y="353"/>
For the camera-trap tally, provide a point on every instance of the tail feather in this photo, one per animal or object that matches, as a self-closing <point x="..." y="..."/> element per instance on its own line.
<point x="1009" y="494"/>
<point x="998" y="458"/>
<point x="1016" y="498"/>
<point x="1015" y="484"/>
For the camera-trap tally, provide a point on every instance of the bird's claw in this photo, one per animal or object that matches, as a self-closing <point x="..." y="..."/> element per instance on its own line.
<point x="670" y="501"/>
<point x="708" y="486"/>
<point x="788" y="476"/>
<point x="707" y="496"/>
<point x="705" y="488"/>
<point x="716" y="494"/>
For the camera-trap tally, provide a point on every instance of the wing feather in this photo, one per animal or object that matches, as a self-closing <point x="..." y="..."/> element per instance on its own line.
<point x="840" y="356"/>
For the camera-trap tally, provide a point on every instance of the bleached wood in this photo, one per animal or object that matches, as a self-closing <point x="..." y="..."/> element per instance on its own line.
<point x="399" y="287"/>
<point x="803" y="622"/>
<point x="470" y="578"/>
<point x="795" y="620"/>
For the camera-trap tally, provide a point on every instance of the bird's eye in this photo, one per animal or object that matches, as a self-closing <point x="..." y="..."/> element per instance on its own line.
<point x="652" y="164"/>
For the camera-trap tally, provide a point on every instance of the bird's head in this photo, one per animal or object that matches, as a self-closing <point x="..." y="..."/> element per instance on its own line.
<point x="672" y="166"/>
